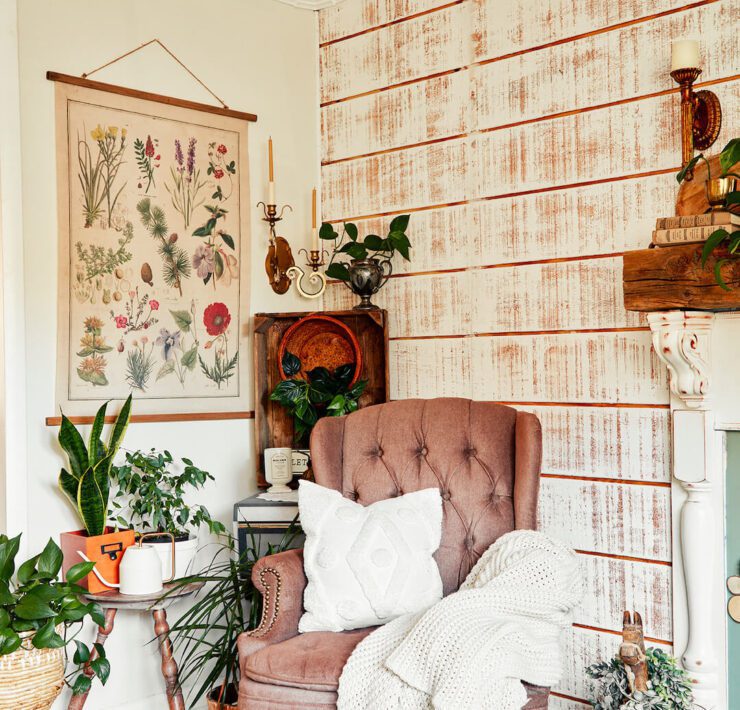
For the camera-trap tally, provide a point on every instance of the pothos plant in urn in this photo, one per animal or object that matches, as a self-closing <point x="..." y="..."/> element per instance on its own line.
<point x="369" y="265"/>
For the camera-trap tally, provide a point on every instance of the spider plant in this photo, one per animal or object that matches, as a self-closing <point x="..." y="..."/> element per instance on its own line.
<point x="204" y="637"/>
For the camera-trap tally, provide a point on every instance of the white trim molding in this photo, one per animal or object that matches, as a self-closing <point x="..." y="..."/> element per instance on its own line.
<point x="311" y="4"/>
<point x="687" y="342"/>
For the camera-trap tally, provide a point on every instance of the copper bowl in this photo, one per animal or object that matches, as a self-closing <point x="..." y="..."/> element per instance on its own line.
<point x="321" y="341"/>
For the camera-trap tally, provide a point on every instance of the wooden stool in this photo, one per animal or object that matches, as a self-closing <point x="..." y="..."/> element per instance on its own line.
<point x="112" y="601"/>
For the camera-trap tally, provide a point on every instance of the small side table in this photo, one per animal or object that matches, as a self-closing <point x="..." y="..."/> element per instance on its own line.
<point x="112" y="601"/>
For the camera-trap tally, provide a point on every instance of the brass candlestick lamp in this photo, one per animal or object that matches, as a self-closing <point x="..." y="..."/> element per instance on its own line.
<point x="701" y="113"/>
<point x="279" y="257"/>
<point x="315" y="260"/>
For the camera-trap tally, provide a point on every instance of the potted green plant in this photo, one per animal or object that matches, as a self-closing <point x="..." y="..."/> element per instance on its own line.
<point x="86" y="483"/>
<point x="669" y="686"/>
<point x="204" y="637"/>
<point x="721" y="194"/>
<point x="321" y="394"/>
<point x="40" y="615"/>
<point x="369" y="265"/>
<point x="151" y="498"/>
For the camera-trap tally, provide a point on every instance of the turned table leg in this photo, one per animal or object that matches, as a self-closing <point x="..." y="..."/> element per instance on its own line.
<point x="169" y="666"/>
<point x="78" y="701"/>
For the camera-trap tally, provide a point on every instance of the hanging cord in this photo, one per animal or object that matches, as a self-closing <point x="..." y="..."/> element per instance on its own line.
<point x="146" y="44"/>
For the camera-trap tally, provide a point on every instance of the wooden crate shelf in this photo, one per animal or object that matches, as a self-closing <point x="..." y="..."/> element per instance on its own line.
<point x="273" y="426"/>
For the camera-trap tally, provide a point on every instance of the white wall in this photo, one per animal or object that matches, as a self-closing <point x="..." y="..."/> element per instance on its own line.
<point x="259" y="56"/>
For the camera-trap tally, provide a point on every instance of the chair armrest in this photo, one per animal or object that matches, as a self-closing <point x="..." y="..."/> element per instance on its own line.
<point x="281" y="581"/>
<point x="537" y="697"/>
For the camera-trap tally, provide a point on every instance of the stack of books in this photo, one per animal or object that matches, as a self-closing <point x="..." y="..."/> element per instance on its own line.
<point x="692" y="229"/>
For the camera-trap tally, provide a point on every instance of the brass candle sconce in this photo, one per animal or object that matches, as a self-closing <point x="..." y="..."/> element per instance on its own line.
<point x="279" y="257"/>
<point x="315" y="278"/>
<point x="701" y="113"/>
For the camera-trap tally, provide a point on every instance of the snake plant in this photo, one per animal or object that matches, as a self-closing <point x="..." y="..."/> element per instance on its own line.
<point x="87" y="482"/>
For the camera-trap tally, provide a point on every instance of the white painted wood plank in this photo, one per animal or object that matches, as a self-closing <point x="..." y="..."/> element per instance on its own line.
<point x="605" y="442"/>
<point x="619" y="140"/>
<point x="582" y="648"/>
<point x="346" y="18"/>
<point x="427" y="110"/>
<point x="429" y="175"/>
<point x="502" y="28"/>
<point x="613" y="586"/>
<point x="570" y="368"/>
<point x="592" y="70"/>
<point x="419" y="47"/>
<point x="430" y="368"/>
<point x="556" y="296"/>
<point x="607" y="517"/>
<point x="594" y="219"/>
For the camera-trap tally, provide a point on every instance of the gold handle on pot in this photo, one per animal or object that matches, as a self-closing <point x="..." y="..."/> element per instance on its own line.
<point x="172" y="555"/>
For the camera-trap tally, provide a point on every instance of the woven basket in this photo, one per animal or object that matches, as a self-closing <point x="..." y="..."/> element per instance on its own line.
<point x="31" y="678"/>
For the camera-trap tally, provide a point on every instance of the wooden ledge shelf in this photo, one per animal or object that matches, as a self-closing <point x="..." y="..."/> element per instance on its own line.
<point x="672" y="278"/>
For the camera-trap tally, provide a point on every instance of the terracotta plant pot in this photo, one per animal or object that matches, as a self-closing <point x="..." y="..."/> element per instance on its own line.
<point x="105" y="550"/>
<point x="228" y="699"/>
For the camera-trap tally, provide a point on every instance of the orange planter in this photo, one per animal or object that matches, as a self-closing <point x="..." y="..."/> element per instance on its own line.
<point x="105" y="550"/>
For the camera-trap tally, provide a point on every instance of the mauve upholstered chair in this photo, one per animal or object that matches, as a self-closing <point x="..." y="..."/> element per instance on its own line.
<point x="484" y="458"/>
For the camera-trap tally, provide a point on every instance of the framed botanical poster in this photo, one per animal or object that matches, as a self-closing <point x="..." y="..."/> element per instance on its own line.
<point x="153" y="254"/>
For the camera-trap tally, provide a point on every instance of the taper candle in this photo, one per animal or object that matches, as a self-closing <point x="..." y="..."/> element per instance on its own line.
<point x="685" y="54"/>
<point x="271" y="177"/>
<point x="314" y="232"/>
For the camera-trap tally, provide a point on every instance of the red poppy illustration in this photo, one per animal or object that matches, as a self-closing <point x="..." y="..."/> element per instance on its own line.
<point x="216" y="318"/>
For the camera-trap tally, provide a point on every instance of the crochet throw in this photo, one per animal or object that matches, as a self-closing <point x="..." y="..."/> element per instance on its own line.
<point x="473" y="648"/>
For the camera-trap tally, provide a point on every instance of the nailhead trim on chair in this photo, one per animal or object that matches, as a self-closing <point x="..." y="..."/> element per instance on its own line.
<point x="264" y="626"/>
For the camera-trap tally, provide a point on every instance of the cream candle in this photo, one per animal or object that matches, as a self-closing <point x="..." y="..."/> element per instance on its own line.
<point x="314" y="232"/>
<point x="685" y="54"/>
<point x="271" y="177"/>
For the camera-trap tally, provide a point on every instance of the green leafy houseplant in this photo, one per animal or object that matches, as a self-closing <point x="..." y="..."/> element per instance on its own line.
<point x="87" y="482"/>
<point x="669" y="686"/>
<point x="321" y="394"/>
<point x="204" y="637"/>
<point x="151" y="490"/>
<point x="372" y="247"/>
<point x="721" y="237"/>
<point x="35" y="606"/>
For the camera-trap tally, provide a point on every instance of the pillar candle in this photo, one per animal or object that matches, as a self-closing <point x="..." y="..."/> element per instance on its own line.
<point x="271" y="177"/>
<point x="685" y="54"/>
<point x="314" y="233"/>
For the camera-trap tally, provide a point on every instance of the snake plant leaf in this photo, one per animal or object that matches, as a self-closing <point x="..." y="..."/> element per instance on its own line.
<point x="101" y="471"/>
<point x="120" y="427"/>
<point x="68" y="484"/>
<point x="96" y="448"/>
<point x="91" y="506"/>
<point x="71" y="441"/>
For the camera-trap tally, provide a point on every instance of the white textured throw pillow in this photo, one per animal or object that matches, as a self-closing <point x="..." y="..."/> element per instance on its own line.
<point x="368" y="565"/>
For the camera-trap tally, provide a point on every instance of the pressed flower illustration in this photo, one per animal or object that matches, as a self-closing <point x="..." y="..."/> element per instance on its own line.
<point x="92" y="343"/>
<point x="211" y="260"/>
<point x="216" y="319"/>
<point x="96" y="261"/>
<point x="140" y="364"/>
<point x="186" y="184"/>
<point x="147" y="158"/>
<point x="139" y="313"/>
<point x="175" y="262"/>
<point x="222" y="169"/>
<point x="98" y="174"/>
<point x="179" y="357"/>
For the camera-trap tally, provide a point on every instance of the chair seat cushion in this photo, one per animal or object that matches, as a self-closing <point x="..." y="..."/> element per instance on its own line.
<point x="313" y="661"/>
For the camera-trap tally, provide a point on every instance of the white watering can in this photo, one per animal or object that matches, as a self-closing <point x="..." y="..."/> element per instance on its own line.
<point x="140" y="571"/>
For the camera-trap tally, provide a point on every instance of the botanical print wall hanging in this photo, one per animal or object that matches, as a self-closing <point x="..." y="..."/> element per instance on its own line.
<point x="154" y="251"/>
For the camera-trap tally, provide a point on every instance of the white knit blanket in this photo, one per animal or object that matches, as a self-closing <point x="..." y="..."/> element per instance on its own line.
<point x="473" y="648"/>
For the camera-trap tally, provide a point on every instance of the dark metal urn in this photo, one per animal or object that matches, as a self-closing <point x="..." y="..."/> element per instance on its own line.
<point x="366" y="277"/>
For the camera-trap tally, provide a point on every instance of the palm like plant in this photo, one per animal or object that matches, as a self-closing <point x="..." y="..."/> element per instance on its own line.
<point x="204" y="637"/>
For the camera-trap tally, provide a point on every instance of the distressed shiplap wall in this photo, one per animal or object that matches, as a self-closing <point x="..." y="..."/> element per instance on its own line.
<point x="533" y="141"/>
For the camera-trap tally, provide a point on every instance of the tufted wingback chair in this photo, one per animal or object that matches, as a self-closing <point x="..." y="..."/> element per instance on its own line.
<point x="484" y="458"/>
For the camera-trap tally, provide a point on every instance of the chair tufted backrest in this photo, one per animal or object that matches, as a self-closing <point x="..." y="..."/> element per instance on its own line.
<point x="484" y="458"/>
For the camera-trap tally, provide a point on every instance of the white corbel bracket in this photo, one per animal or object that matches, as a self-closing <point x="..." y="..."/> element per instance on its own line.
<point x="681" y="340"/>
